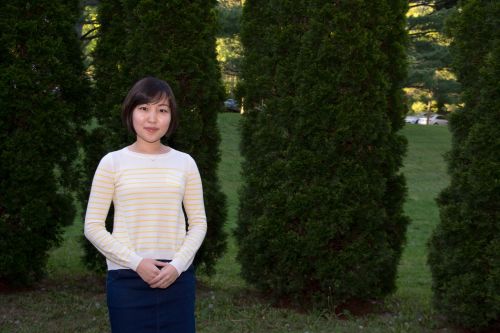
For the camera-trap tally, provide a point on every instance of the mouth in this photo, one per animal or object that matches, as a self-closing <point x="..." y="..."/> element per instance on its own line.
<point x="151" y="129"/>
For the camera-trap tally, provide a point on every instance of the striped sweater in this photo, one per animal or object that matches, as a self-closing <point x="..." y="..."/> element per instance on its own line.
<point x="148" y="193"/>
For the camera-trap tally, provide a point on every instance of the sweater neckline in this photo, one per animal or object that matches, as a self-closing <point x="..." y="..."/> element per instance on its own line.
<point x="149" y="156"/>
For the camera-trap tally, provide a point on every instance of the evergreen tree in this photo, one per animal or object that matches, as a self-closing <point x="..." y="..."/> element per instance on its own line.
<point x="257" y="24"/>
<point x="271" y="35"/>
<point x="43" y="104"/>
<point x="321" y="209"/>
<point x="110" y="87"/>
<point x="174" y="41"/>
<point x="465" y="247"/>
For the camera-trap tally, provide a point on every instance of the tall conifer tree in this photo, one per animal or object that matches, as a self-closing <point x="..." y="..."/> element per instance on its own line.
<point x="110" y="87"/>
<point x="321" y="209"/>
<point x="175" y="41"/>
<point x="465" y="247"/>
<point x="271" y="35"/>
<point x="43" y="103"/>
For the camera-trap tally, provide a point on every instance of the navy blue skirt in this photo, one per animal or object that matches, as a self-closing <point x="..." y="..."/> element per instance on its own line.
<point x="136" y="307"/>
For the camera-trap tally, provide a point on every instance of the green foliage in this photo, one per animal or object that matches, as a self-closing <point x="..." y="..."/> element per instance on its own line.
<point x="429" y="72"/>
<point x="465" y="247"/>
<point x="228" y="43"/>
<point x="321" y="208"/>
<point x="228" y="17"/>
<point x="229" y="53"/>
<point x="174" y="41"/>
<point x="89" y="34"/>
<point x="43" y="102"/>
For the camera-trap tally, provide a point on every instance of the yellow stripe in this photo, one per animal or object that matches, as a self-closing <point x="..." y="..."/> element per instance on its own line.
<point x="103" y="175"/>
<point x="103" y="202"/>
<point x="159" y="236"/>
<point x="148" y="209"/>
<point x="142" y="183"/>
<point x="172" y="247"/>
<point x="143" y="204"/>
<point x="147" y="198"/>
<point x="133" y="193"/>
<point x="102" y="169"/>
<point x="158" y="244"/>
<point x="156" y="179"/>
<point x="99" y="181"/>
<point x="146" y="224"/>
<point x="133" y="169"/>
<point x="169" y="215"/>
<point x="95" y="215"/>
<point x="95" y="191"/>
<point x="189" y="204"/>
<point x="95" y="208"/>
<point x="105" y="187"/>
<point x="143" y="220"/>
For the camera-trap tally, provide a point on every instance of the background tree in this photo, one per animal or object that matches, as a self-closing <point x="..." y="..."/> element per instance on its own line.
<point x="175" y="41"/>
<point x="271" y="32"/>
<point x="321" y="208"/>
<point x="43" y="103"/>
<point x="106" y="132"/>
<point x="465" y="247"/>
<point x="229" y="51"/>
<point x="431" y="85"/>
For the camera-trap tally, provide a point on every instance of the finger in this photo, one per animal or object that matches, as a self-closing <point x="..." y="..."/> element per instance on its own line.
<point x="157" y="279"/>
<point x="164" y="282"/>
<point x="153" y="274"/>
<point x="158" y="284"/>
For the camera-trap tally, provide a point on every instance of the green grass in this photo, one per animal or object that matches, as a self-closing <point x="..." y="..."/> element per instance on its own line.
<point x="71" y="299"/>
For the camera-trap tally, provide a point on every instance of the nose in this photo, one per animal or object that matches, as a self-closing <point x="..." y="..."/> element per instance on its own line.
<point x="152" y="116"/>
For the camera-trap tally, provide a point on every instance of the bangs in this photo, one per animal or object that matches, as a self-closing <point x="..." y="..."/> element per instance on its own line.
<point x="153" y="98"/>
<point x="152" y="91"/>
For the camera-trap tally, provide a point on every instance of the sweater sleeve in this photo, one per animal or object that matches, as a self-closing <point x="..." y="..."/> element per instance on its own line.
<point x="196" y="219"/>
<point x="101" y="195"/>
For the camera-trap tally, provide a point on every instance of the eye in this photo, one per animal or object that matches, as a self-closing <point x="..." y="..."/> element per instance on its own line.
<point x="142" y="108"/>
<point x="164" y="110"/>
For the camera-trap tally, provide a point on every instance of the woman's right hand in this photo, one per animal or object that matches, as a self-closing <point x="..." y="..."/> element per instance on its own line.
<point x="148" y="269"/>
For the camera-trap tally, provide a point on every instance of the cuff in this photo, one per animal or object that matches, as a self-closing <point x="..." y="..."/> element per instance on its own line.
<point x="177" y="265"/>
<point x="134" y="261"/>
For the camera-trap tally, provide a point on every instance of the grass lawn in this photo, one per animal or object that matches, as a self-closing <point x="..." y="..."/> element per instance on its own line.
<point x="71" y="299"/>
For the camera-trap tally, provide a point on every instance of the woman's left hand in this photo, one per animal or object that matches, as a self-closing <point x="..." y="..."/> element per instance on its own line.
<point x="167" y="276"/>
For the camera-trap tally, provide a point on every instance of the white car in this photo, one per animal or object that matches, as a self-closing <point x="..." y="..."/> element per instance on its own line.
<point x="411" y="119"/>
<point x="433" y="120"/>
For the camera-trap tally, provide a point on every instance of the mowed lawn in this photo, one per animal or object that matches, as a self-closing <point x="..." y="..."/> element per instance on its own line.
<point x="71" y="299"/>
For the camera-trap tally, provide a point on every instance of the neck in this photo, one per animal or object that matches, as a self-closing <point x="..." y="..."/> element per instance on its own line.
<point x="149" y="147"/>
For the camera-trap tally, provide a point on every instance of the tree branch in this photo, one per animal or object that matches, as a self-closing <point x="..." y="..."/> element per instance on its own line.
<point x="422" y="33"/>
<point x="86" y="35"/>
<point x="422" y="4"/>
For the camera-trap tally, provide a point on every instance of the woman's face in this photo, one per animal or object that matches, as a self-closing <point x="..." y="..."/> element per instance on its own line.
<point x="151" y="121"/>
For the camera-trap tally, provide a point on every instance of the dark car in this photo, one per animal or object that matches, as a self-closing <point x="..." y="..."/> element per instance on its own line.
<point x="231" y="105"/>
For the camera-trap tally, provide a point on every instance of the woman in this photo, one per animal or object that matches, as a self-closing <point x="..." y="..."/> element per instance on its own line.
<point x="150" y="282"/>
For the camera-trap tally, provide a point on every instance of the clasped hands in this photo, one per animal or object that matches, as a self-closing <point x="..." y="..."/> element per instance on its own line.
<point x="157" y="278"/>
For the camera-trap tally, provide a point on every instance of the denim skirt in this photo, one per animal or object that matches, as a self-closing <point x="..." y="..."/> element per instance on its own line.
<point x="136" y="307"/>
